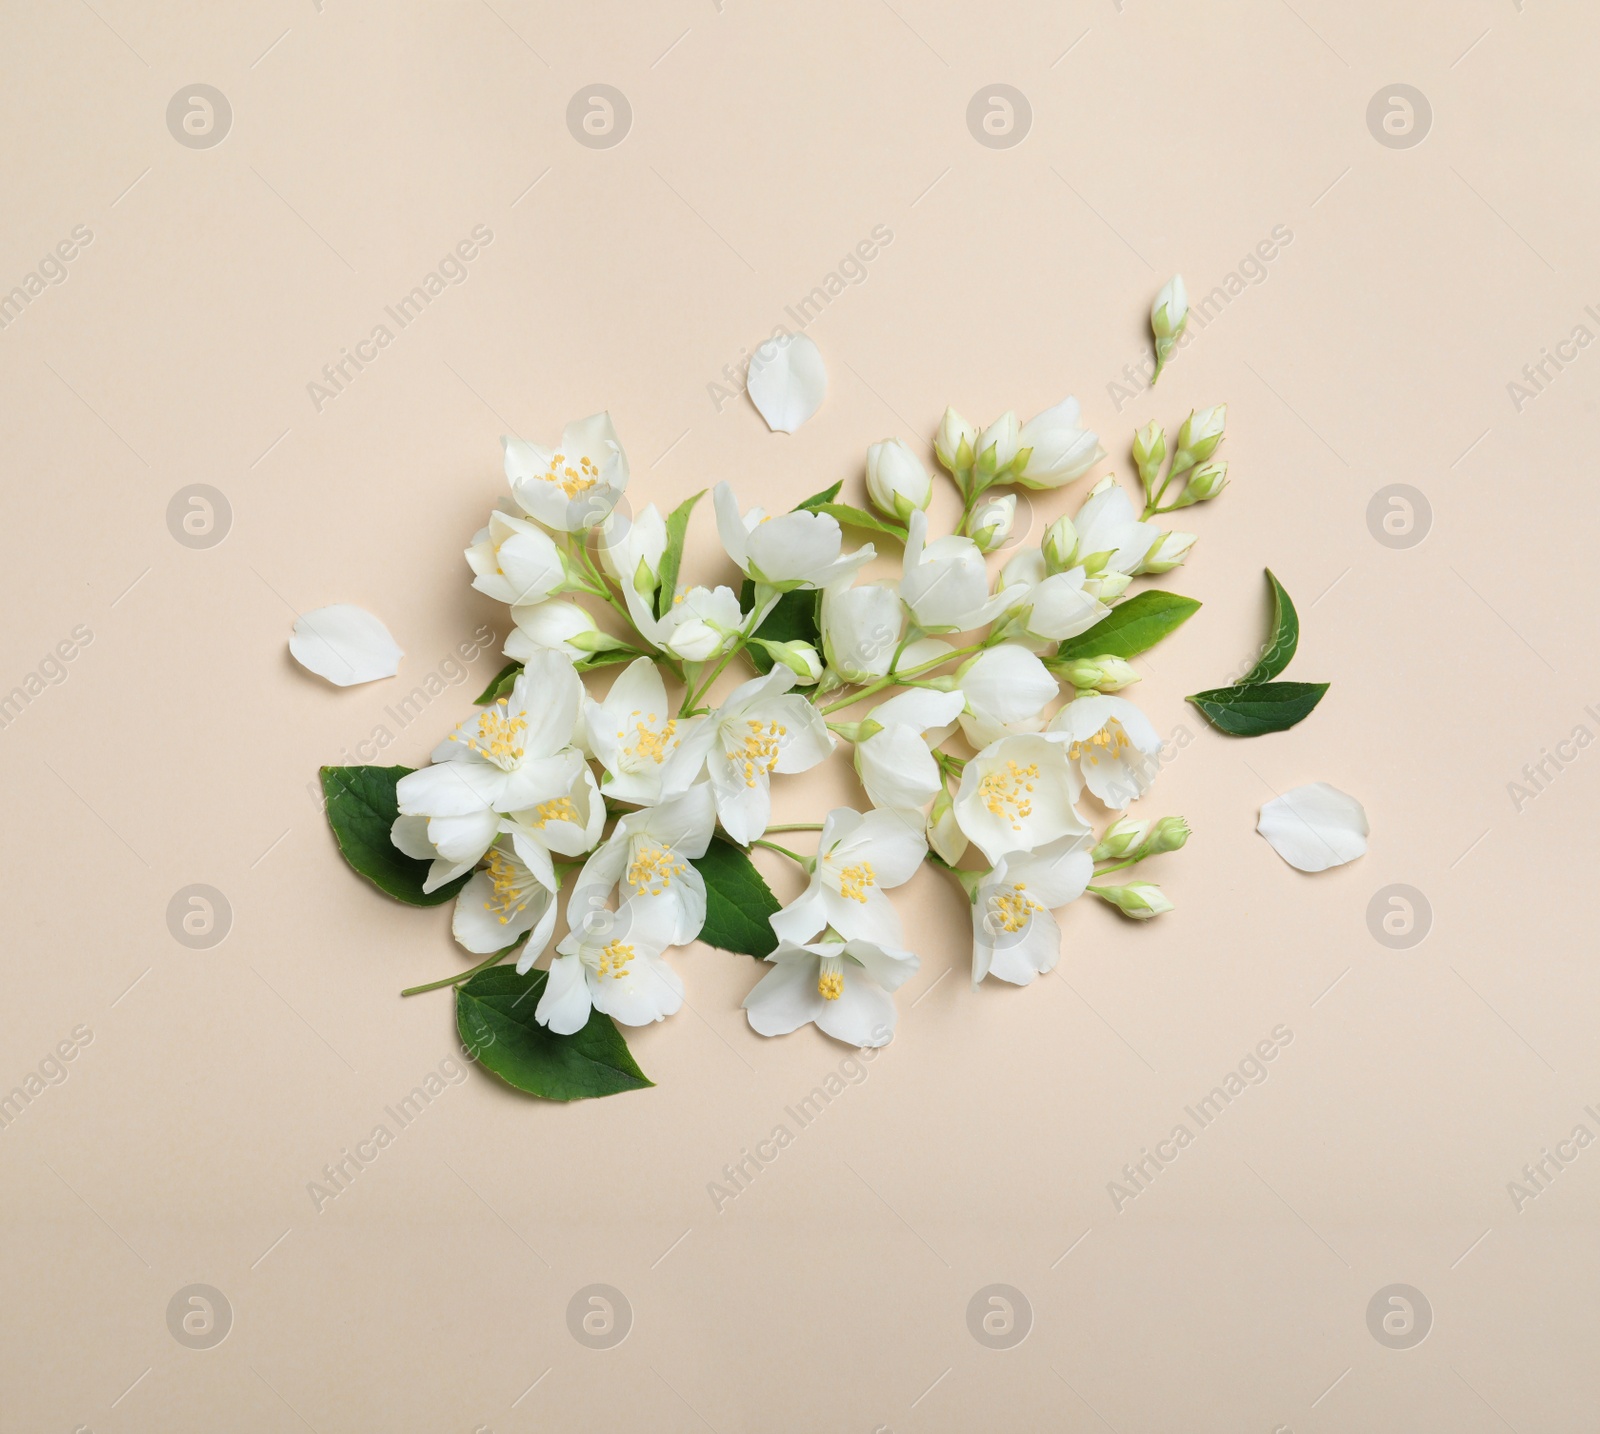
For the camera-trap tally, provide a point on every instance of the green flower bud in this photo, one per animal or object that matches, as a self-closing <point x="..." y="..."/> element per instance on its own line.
<point x="1120" y="838"/>
<point x="1199" y="436"/>
<point x="1149" y="453"/>
<point x="1168" y="834"/>
<point x="1167" y="552"/>
<point x="1204" y="483"/>
<point x="1099" y="674"/>
<point x="1060" y="545"/>
<point x="800" y="658"/>
<point x="1139" y="899"/>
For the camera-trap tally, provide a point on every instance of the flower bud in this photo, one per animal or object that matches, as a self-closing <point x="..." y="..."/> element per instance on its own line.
<point x="998" y="447"/>
<point x="944" y="832"/>
<point x="1100" y="674"/>
<point x="990" y="523"/>
<point x="1204" y="483"/>
<point x="1168" y="834"/>
<point x="1168" y="316"/>
<point x="896" y="480"/>
<point x="1060" y="545"/>
<point x="800" y="658"/>
<point x="1199" y="436"/>
<point x="1167" y="552"/>
<point x="1139" y="899"/>
<point x="1108" y="587"/>
<point x="562" y="626"/>
<point x="1120" y="838"/>
<point x="955" y="443"/>
<point x="1149" y="453"/>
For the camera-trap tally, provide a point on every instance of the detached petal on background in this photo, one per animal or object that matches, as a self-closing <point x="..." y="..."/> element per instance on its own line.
<point x="787" y="381"/>
<point x="1315" y="827"/>
<point x="344" y="644"/>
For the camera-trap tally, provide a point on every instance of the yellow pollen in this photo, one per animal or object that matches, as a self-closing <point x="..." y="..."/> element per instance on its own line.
<point x="647" y="742"/>
<point x="830" y="985"/>
<point x="653" y="869"/>
<point x="560" y="810"/>
<point x="614" y="959"/>
<point x="1013" y="909"/>
<point x="1005" y="793"/>
<point x="758" y="753"/>
<point x="1109" y="741"/>
<point x="510" y="895"/>
<point x="497" y="735"/>
<point x="854" y="881"/>
<point x="572" y="481"/>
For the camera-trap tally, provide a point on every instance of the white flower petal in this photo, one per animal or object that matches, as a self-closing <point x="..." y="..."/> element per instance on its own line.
<point x="345" y="644"/>
<point x="1314" y="827"/>
<point x="787" y="381"/>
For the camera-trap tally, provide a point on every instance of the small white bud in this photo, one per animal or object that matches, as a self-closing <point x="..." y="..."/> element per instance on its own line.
<point x="1167" y="552"/>
<point x="990" y="524"/>
<point x="956" y="443"/>
<point x="897" y="482"/>
<point x="1060" y="545"/>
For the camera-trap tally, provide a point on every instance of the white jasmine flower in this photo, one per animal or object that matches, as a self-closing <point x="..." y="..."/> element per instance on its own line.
<point x="515" y="561"/>
<point x="1057" y="605"/>
<point x="554" y="626"/>
<point x="896" y="480"/>
<point x="860" y="856"/>
<point x="787" y="550"/>
<point x="945" y="584"/>
<point x="1062" y="451"/>
<point x="650" y="850"/>
<point x="567" y="822"/>
<point x="896" y="764"/>
<point x="990" y="524"/>
<point x="860" y="629"/>
<point x="410" y="834"/>
<point x="618" y="971"/>
<point x="631" y="548"/>
<point x="703" y="623"/>
<point x="1017" y="794"/>
<point x="1014" y="934"/>
<point x="572" y="487"/>
<point x="1112" y="744"/>
<point x="1107" y="524"/>
<point x="757" y="731"/>
<point x="635" y="737"/>
<point x="513" y="754"/>
<point x="1005" y="691"/>
<point x="501" y="902"/>
<point x="842" y="986"/>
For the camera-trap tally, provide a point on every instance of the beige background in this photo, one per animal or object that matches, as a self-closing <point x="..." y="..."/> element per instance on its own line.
<point x="766" y="142"/>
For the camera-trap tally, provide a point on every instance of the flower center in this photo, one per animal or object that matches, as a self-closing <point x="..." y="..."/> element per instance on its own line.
<point x="571" y="481"/>
<point x="856" y="881"/>
<point x="830" y="985"/>
<point x="1013" y="908"/>
<point x="512" y="885"/>
<point x="498" y="738"/>
<point x="1110" y="742"/>
<point x="649" y="744"/>
<point x="614" y="959"/>
<point x="653" y="869"/>
<point x="559" y="810"/>
<point x="1005" y="792"/>
<point x="759" y="751"/>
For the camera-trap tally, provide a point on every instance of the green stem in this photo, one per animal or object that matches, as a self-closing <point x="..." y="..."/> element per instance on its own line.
<point x="797" y="827"/>
<point x="1118" y="866"/>
<point x="793" y="856"/>
<point x="894" y="679"/>
<point x="464" y="975"/>
<point x="758" y="615"/>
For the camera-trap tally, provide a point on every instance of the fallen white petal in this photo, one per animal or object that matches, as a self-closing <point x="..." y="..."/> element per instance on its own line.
<point x="1314" y="827"/>
<point x="344" y="644"/>
<point x="787" y="381"/>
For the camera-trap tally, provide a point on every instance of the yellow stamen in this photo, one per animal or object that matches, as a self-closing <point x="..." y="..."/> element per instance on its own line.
<point x="512" y="885"/>
<point x="559" y="810"/>
<point x="571" y="481"/>
<point x="1013" y="909"/>
<point x="759" y="752"/>
<point x="498" y="734"/>
<point x="648" y="743"/>
<point x="653" y="869"/>
<point x="1109" y="741"/>
<point x="830" y="985"/>
<point x="614" y="959"/>
<point x="855" y="881"/>
<point x="1005" y="792"/>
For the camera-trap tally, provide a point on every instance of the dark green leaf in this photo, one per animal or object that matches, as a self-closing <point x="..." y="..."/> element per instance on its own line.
<point x="1132" y="628"/>
<point x="672" y="558"/>
<point x="1283" y="641"/>
<point x="816" y="500"/>
<point x="501" y="685"/>
<point x="609" y="658"/>
<point x="861" y="518"/>
<point x="361" y="809"/>
<point x="792" y="619"/>
<point x="1259" y="708"/>
<point x="494" y="1014"/>
<point x="738" y="901"/>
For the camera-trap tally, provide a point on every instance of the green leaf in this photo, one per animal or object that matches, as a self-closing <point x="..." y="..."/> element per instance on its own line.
<point x="860" y="518"/>
<point x="672" y="558"/>
<point x="1133" y="627"/>
<point x="1283" y="641"/>
<point x="816" y="500"/>
<point x="501" y="685"/>
<point x="361" y="808"/>
<point x="494" y="1014"/>
<point x="609" y="658"/>
<point x="1259" y="708"/>
<point x="794" y="618"/>
<point x="738" y="901"/>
